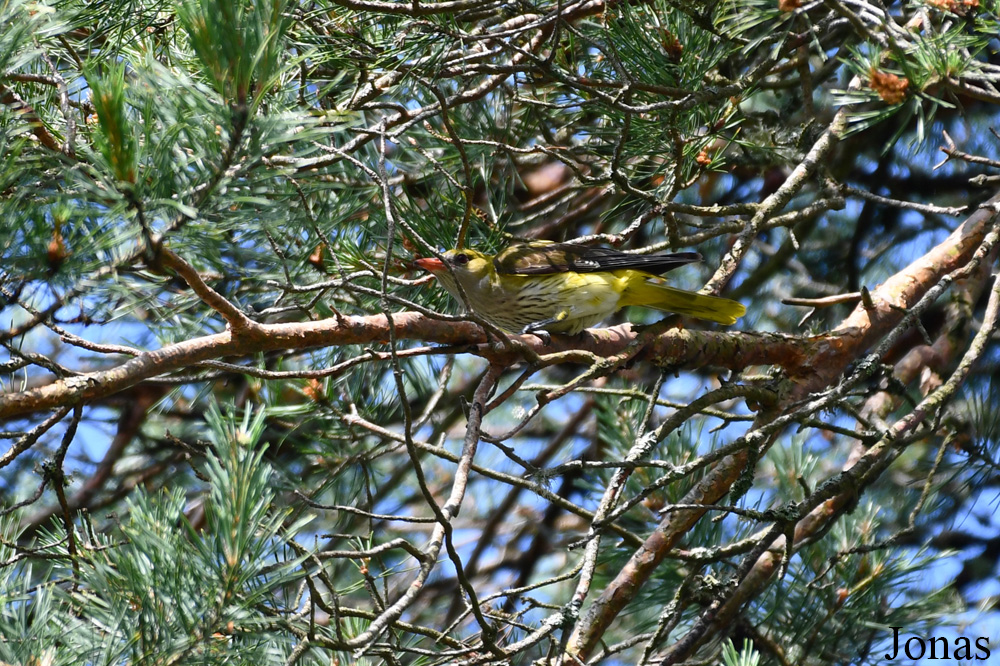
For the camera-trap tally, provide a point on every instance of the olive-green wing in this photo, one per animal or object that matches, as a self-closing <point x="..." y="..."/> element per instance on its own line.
<point x="530" y="259"/>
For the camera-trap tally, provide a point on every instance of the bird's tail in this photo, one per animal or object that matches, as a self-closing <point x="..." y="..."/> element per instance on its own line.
<point x="652" y="292"/>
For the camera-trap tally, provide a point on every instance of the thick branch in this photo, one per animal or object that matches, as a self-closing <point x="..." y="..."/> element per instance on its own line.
<point x="676" y="348"/>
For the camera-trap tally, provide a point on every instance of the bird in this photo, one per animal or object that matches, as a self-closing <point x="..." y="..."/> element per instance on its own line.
<point x="565" y="288"/>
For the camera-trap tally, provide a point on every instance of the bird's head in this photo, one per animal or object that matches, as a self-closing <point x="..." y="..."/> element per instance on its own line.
<point x="466" y="266"/>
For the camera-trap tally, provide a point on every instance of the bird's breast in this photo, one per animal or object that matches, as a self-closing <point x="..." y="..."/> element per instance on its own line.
<point x="573" y="301"/>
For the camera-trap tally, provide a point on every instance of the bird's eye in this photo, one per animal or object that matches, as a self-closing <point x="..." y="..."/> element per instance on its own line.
<point x="461" y="259"/>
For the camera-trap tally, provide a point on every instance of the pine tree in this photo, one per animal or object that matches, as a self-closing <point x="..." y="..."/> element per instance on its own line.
<point x="242" y="427"/>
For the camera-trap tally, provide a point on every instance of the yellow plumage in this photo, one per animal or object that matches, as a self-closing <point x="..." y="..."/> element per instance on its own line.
<point x="565" y="288"/>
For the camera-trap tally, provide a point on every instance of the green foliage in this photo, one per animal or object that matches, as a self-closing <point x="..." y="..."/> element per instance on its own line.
<point x="745" y="656"/>
<point x="158" y="587"/>
<point x="238" y="43"/>
<point x="116" y="139"/>
<point x="298" y="157"/>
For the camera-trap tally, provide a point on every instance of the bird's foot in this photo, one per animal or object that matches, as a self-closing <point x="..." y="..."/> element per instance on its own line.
<point x="543" y="335"/>
<point x="539" y="332"/>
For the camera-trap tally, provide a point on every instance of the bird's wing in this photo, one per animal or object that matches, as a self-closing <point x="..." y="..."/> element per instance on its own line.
<point x="525" y="259"/>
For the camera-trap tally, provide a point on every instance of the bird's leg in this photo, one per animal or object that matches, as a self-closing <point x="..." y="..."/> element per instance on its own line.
<point x="538" y="327"/>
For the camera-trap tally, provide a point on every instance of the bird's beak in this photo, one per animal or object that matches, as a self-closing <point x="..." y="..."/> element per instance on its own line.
<point x="430" y="264"/>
